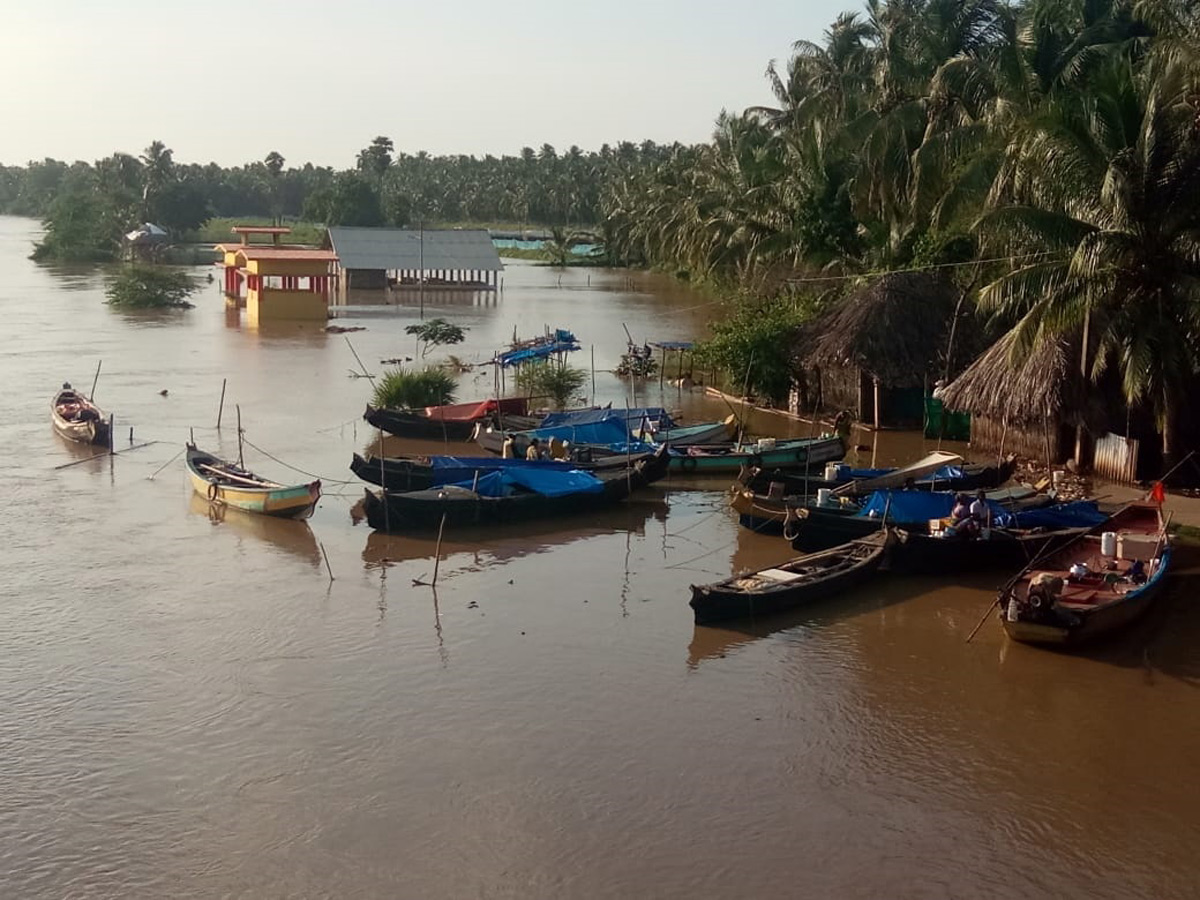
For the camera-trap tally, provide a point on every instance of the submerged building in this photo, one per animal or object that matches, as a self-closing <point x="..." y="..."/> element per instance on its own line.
<point x="378" y="258"/>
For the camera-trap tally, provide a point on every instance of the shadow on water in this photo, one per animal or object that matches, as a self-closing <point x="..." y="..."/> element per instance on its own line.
<point x="291" y="536"/>
<point x="490" y="545"/>
<point x="717" y="642"/>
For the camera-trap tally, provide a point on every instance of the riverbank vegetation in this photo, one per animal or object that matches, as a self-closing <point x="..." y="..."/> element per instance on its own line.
<point x="547" y="378"/>
<point x="402" y="388"/>
<point x="149" y="287"/>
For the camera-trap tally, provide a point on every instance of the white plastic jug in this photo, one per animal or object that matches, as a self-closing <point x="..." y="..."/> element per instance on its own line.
<point x="831" y="471"/>
<point x="823" y="496"/>
<point x="1108" y="543"/>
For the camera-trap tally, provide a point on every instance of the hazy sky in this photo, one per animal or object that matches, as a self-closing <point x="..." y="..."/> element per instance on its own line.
<point x="230" y="81"/>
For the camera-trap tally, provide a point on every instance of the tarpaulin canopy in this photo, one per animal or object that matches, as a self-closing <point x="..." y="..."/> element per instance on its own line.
<point x="1075" y="514"/>
<point x="463" y="469"/>
<point x="636" y="415"/>
<point x="918" y="507"/>
<point x="467" y="412"/>
<point x="544" y="481"/>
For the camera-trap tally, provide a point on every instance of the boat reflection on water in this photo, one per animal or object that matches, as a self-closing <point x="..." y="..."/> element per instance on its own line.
<point x="292" y="536"/>
<point x="490" y="545"/>
<point x="883" y="591"/>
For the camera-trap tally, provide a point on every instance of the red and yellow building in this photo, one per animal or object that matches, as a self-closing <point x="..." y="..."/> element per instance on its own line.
<point x="283" y="283"/>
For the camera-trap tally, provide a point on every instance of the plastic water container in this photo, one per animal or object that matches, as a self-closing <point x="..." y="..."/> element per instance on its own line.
<point x="1108" y="543"/>
<point x="765" y="444"/>
<point x="831" y="471"/>
<point x="823" y="496"/>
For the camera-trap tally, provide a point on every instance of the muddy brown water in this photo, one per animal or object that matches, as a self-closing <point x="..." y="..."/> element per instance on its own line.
<point x="189" y="707"/>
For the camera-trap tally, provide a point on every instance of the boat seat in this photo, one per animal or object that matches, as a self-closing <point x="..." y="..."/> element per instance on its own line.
<point x="780" y="575"/>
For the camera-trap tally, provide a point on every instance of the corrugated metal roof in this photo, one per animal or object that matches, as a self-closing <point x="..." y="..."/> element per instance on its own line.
<point x="408" y="248"/>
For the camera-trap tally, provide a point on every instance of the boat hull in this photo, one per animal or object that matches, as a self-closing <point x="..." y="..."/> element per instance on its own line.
<point x="974" y="478"/>
<point x="425" y="510"/>
<point x="923" y="554"/>
<point x="402" y="424"/>
<point x="800" y="454"/>
<point x="724" y="601"/>
<point x="414" y="475"/>
<point x="283" y="501"/>
<point x="91" y="430"/>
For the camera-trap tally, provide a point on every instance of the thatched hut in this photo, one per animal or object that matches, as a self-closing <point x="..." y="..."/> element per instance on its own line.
<point x="876" y="351"/>
<point x="1027" y="401"/>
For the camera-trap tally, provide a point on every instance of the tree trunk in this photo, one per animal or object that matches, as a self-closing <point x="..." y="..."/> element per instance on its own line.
<point x="1170" y="436"/>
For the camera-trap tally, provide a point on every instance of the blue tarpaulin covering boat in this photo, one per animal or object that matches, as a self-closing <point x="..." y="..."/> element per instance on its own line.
<point x="547" y="482"/>
<point x="633" y="415"/>
<point x="918" y="507"/>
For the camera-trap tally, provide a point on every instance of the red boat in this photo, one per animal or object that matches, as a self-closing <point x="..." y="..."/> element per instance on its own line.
<point x="1096" y="584"/>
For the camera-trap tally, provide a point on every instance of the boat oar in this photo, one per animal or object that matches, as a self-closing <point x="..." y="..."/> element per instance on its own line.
<point x="987" y="612"/>
<point x="92" y="395"/>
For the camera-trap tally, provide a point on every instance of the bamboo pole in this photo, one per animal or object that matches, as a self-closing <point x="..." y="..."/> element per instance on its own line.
<point x="327" y="566"/>
<point x="437" y="552"/>
<point x="92" y="395"/>
<point x="221" y="405"/>
<point x="241" y="464"/>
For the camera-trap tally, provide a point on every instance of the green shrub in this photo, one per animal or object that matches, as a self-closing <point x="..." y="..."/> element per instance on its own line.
<point x="549" y="379"/>
<point x="401" y="389"/>
<point x="150" y="287"/>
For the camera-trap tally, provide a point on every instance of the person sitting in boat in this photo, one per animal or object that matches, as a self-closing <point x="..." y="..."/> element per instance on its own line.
<point x="980" y="511"/>
<point x="963" y="524"/>
<point x="558" y="449"/>
<point x="534" y="452"/>
<point x="507" y="451"/>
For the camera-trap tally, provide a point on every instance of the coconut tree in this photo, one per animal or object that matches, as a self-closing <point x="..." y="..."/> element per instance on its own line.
<point x="1102" y="194"/>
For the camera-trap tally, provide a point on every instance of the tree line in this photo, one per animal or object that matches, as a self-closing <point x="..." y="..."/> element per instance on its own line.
<point x="88" y="206"/>
<point x="1046" y="152"/>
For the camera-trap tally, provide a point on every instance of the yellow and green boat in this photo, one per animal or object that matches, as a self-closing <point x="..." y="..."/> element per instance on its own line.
<point x="221" y="481"/>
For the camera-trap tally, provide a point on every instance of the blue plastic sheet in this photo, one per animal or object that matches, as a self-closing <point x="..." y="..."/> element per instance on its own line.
<point x="918" y="507"/>
<point x="606" y="431"/>
<point x="459" y="469"/>
<point x="1076" y="514"/>
<point x="635" y="416"/>
<point x="547" y="482"/>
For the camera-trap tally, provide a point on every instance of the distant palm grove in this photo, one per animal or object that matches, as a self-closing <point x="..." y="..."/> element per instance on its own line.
<point x="1045" y="155"/>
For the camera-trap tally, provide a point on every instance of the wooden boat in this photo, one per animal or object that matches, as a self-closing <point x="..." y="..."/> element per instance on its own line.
<point x="461" y="506"/>
<point x="77" y="418"/>
<point x="455" y="422"/>
<point x="491" y="437"/>
<point x="802" y="580"/>
<point x="814" y="526"/>
<point x="221" y="481"/>
<point x="688" y="435"/>
<point x="1082" y="592"/>
<point x="724" y="459"/>
<point x="976" y="476"/>
<point x="416" y="473"/>
<point x="996" y="548"/>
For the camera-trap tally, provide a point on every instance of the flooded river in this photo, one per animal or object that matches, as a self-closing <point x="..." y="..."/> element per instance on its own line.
<point x="189" y="707"/>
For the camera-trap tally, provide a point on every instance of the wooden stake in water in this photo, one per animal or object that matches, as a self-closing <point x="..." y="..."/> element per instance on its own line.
<point x="92" y="395"/>
<point x="326" y="555"/>
<point x="112" y="433"/>
<point x="221" y="405"/>
<point x="437" y="552"/>
<point x="593" y="374"/>
<point x="241" y="464"/>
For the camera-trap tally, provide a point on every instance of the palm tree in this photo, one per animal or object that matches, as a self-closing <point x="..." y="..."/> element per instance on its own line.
<point x="1103" y="193"/>
<point x="160" y="170"/>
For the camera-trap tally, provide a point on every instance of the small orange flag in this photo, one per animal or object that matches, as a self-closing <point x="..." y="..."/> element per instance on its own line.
<point x="1157" y="494"/>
